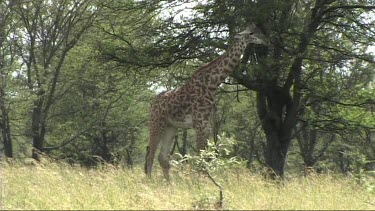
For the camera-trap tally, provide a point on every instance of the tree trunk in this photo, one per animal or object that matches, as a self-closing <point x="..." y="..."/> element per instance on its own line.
<point x="130" y="149"/>
<point x="38" y="125"/>
<point x="103" y="142"/>
<point x="276" y="154"/>
<point x="5" y="16"/>
<point x="307" y="140"/>
<point x="184" y="150"/>
<point x="8" y="147"/>
<point x="5" y="127"/>
<point x="272" y="110"/>
<point x="312" y="143"/>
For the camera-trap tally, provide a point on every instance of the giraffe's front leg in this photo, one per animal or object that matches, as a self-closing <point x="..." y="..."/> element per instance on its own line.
<point x="202" y="116"/>
<point x="203" y="130"/>
<point x="203" y="134"/>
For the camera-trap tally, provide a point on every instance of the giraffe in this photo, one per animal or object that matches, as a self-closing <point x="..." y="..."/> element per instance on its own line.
<point x="192" y="105"/>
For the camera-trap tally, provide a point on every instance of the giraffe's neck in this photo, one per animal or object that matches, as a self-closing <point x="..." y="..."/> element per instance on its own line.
<point x="214" y="73"/>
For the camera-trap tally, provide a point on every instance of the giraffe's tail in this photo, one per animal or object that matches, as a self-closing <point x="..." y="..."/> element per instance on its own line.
<point x="147" y="154"/>
<point x="154" y="130"/>
<point x="150" y="153"/>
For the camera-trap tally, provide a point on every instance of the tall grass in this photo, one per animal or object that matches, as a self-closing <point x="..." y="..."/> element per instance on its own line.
<point x="63" y="187"/>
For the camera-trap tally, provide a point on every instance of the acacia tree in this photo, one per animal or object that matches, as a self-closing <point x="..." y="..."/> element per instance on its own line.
<point x="289" y="76"/>
<point x="48" y="31"/>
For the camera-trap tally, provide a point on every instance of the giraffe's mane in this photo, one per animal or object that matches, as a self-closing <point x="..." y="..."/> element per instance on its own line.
<point x="205" y="66"/>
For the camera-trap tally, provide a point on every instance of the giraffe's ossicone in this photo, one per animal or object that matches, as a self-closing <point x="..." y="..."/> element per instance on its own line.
<point x="192" y="105"/>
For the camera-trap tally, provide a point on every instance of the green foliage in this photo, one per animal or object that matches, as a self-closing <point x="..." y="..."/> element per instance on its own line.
<point x="362" y="176"/>
<point x="213" y="159"/>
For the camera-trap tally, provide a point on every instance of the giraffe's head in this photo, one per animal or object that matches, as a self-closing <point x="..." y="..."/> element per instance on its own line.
<point x="252" y="34"/>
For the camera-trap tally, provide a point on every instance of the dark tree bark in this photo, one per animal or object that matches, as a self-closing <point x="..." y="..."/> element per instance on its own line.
<point x="5" y="16"/>
<point x="5" y="127"/>
<point x="38" y="129"/>
<point x="102" y="141"/>
<point x="130" y="149"/>
<point x="271" y="104"/>
<point x="308" y="139"/>
<point x="184" y="150"/>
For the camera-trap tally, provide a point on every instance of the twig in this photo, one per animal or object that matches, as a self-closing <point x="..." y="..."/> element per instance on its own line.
<point x="221" y="201"/>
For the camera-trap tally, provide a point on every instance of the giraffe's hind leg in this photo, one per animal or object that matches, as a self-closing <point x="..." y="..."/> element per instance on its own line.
<point x="166" y="145"/>
<point x="151" y="148"/>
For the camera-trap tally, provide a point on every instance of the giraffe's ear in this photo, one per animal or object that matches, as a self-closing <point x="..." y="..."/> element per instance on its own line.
<point x="237" y="36"/>
<point x="252" y="28"/>
<point x="247" y="31"/>
<point x="240" y="35"/>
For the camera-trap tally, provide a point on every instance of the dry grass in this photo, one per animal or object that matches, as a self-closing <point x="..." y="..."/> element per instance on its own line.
<point x="62" y="187"/>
